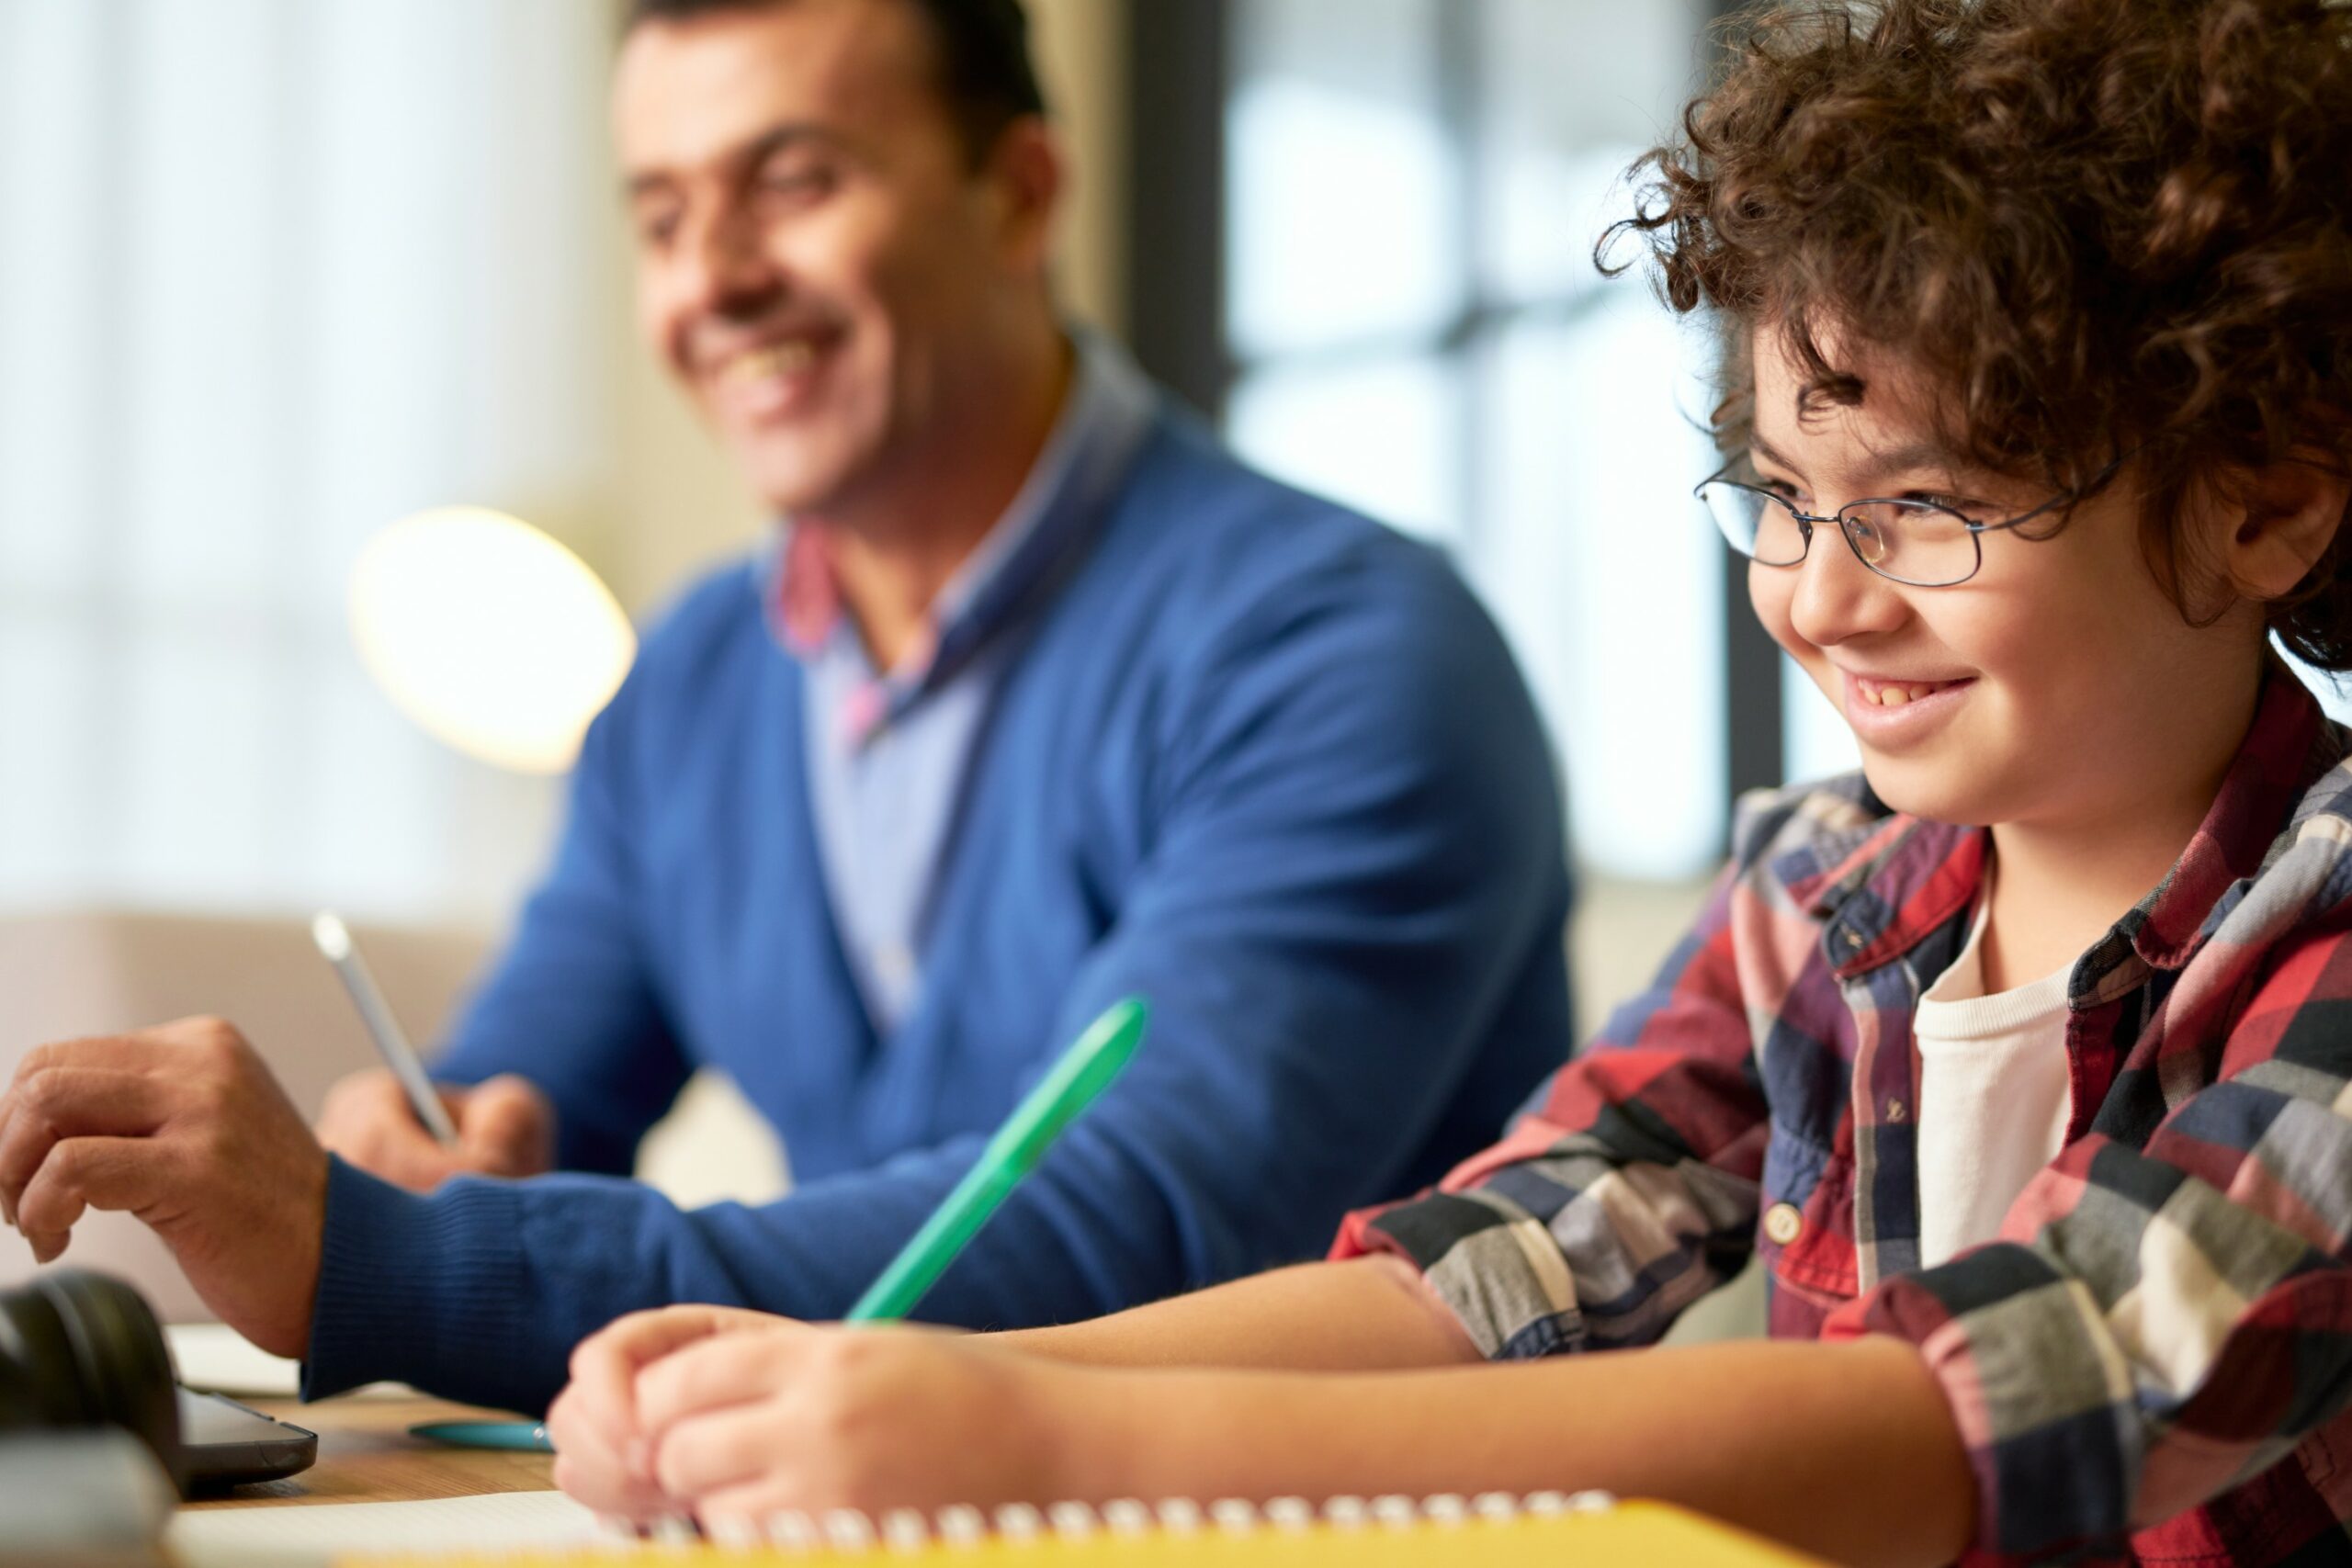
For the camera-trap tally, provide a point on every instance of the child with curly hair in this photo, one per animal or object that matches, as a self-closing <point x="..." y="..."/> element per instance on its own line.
<point x="2023" y="1058"/>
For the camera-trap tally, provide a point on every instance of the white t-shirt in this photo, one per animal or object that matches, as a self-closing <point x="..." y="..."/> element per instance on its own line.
<point x="1993" y="1097"/>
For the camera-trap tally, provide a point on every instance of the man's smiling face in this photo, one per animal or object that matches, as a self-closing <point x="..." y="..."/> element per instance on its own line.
<point x="818" y="259"/>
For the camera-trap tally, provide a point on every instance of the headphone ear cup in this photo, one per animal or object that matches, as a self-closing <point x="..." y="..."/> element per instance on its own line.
<point x="41" y="1374"/>
<point x="119" y="1359"/>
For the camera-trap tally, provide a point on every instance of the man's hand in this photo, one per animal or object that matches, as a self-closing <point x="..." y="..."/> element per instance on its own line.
<point x="505" y="1127"/>
<point x="735" y="1416"/>
<point x="183" y="1126"/>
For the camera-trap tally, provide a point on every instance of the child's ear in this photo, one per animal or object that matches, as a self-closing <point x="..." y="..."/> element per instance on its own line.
<point x="2280" y="521"/>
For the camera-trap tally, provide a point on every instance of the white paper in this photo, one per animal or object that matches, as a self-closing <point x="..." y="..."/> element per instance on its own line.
<point x="213" y="1358"/>
<point x="312" y="1535"/>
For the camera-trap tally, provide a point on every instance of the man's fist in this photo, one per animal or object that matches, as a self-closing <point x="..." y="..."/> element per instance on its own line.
<point x="505" y="1127"/>
<point x="183" y="1126"/>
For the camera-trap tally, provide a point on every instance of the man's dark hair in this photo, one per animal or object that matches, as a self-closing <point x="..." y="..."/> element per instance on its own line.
<point x="986" y="76"/>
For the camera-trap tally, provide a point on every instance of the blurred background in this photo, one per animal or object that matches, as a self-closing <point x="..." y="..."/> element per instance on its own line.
<point x="276" y="273"/>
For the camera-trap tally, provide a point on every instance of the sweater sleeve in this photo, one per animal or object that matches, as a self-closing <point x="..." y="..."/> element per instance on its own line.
<point x="1354" y="859"/>
<point x="571" y="1004"/>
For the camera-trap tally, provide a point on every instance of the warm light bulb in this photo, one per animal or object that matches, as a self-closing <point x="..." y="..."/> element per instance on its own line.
<point x="492" y="636"/>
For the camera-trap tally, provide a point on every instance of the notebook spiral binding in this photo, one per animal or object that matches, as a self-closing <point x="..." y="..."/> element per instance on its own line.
<point x="900" y="1529"/>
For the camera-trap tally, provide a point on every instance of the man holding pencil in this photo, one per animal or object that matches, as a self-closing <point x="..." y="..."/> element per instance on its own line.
<point x="1038" y="700"/>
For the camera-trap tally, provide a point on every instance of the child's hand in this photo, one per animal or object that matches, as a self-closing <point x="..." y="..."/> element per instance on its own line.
<point x="603" y="1456"/>
<point x="791" y="1416"/>
<point x="750" y="1422"/>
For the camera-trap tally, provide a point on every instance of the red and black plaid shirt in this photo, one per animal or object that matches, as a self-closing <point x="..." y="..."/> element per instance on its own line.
<point x="2154" y="1359"/>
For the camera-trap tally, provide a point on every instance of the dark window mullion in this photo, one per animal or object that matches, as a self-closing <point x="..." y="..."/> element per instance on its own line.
<point x="1755" y="726"/>
<point x="1179" y="83"/>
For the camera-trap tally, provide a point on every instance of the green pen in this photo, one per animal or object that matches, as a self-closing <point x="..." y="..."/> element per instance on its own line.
<point x="1085" y="1070"/>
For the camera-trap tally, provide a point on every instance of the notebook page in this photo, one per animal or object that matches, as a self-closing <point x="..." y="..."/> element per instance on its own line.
<point x="313" y="1535"/>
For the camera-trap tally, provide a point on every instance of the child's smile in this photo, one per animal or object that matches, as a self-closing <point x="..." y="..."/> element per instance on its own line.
<point x="2060" y="687"/>
<point x="1892" y="710"/>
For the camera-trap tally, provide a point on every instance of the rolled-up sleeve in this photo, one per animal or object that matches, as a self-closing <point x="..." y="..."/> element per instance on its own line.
<point x="1626" y="1189"/>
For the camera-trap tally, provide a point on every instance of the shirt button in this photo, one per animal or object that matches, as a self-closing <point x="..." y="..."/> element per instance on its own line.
<point x="1853" y="939"/>
<point x="1895" y="1111"/>
<point x="1781" y="1222"/>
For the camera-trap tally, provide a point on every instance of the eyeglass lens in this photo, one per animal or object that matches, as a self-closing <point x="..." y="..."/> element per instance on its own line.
<point x="1909" y="541"/>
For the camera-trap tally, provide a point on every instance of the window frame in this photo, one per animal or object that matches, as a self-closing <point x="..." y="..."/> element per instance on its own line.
<point x="1180" y="73"/>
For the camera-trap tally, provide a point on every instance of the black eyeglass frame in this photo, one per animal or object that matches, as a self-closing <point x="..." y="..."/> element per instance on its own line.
<point x="1806" y="521"/>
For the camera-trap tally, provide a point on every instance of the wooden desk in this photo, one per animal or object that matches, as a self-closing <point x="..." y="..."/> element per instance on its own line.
<point x="366" y="1456"/>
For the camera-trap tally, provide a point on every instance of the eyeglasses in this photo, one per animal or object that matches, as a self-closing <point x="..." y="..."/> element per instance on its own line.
<point x="1917" y="542"/>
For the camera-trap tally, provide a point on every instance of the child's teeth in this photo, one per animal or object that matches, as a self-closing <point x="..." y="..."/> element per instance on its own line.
<point x="784" y="359"/>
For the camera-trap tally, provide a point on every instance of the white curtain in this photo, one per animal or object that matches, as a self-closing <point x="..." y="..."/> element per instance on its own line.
<point x="273" y="273"/>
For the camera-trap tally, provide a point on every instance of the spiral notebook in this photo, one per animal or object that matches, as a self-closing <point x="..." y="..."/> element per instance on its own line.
<point x="1491" y="1531"/>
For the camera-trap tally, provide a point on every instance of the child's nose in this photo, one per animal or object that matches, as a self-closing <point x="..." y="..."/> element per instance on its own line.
<point x="1838" y="597"/>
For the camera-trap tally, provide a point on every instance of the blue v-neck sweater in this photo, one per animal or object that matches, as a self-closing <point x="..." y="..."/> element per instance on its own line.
<point x="1256" y="758"/>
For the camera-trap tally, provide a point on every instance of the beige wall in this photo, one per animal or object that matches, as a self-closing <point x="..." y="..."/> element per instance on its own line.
<point x="676" y="505"/>
<point x="1079" y="45"/>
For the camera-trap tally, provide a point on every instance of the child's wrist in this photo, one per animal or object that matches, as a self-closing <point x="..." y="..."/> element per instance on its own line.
<point x="1079" y="1420"/>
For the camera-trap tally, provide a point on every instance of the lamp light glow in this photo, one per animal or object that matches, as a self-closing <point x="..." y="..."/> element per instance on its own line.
<point x="490" y="636"/>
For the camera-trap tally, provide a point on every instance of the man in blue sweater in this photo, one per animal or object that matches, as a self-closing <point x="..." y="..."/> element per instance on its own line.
<point x="1037" y="699"/>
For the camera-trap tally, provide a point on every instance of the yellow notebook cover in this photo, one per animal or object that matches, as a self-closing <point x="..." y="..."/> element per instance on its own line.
<point x="1387" y="1533"/>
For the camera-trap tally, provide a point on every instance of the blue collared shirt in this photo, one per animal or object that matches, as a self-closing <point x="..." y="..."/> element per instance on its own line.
<point x="887" y="750"/>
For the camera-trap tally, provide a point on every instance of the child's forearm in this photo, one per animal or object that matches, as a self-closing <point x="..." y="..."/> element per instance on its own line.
<point x="1368" y="1314"/>
<point x="1848" y="1450"/>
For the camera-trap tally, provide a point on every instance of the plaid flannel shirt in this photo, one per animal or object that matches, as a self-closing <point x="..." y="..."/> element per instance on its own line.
<point x="2153" y="1360"/>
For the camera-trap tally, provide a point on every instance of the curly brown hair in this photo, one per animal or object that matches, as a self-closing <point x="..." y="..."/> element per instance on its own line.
<point x="2102" y="227"/>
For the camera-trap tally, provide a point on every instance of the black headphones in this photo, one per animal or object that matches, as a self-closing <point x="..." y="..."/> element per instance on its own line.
<point x="79" y="1349"/>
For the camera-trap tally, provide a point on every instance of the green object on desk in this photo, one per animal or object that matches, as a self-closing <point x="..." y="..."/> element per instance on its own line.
<point x="1085" y="1070"/>
<point x="528" y="1437"/>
